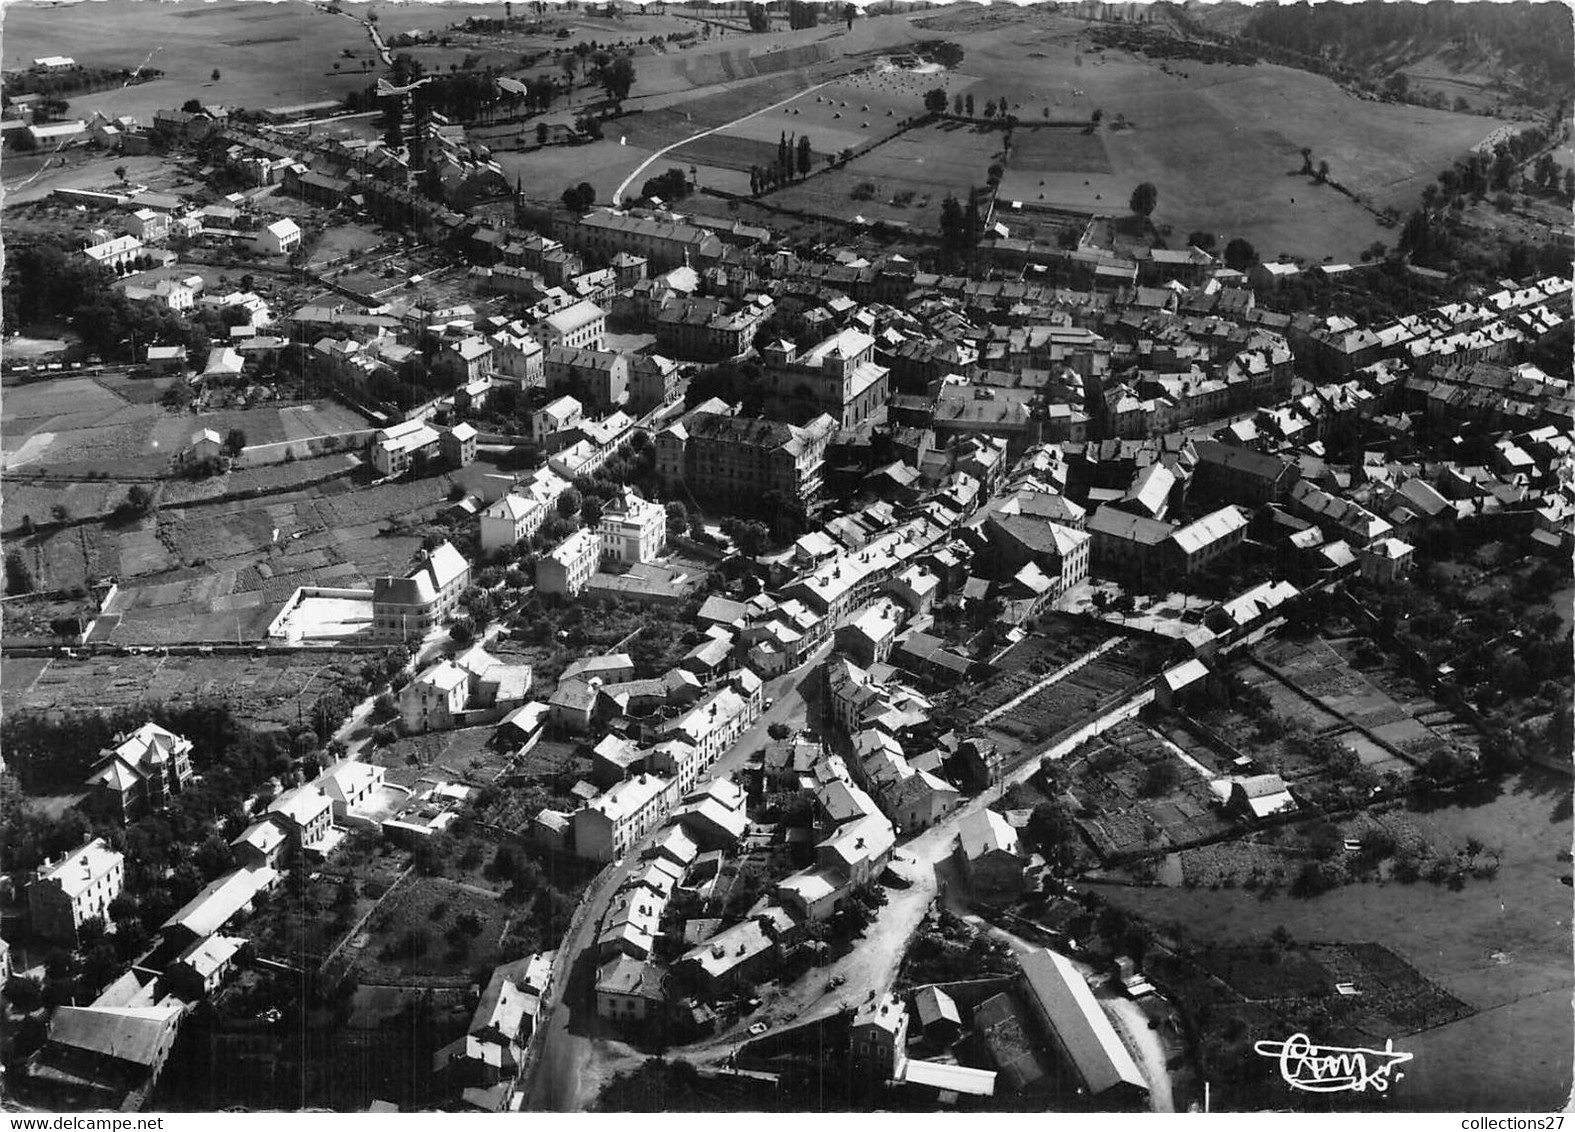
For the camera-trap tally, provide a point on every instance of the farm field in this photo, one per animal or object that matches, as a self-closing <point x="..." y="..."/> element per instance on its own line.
<point x="346" y="536"/>
<point x="1501" y="945"/>
<point x="602" y="164"/>
<point x="266" y="54"/>
<point x="918" y="169"/>
<point x="1221" y="142"/>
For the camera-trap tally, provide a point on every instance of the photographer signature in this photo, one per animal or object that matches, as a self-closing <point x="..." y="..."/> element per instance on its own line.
<point x="1333" y="1069"/>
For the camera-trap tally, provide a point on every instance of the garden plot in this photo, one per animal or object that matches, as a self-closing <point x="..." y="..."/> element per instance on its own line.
<point x="203" y="537"/>
<point x="1322" y="671"/>
<point x="463" y="754"/>
<point x="1137" y="796"/>
<point x="262" y="689"/>
<point x="73" y="557"/>
<point x="271" y="479"/>
<point x="325" y="418"/>
<point x="1287" y="704"/>
<point x="420" y="933"/>
<point x="1026" y="663"/>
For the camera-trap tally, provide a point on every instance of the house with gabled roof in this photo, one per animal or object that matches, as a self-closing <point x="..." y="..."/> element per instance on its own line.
<point x="141" y="772"/>
<point x="1082" y="1034"/>
<point x="990" y="857"/>
<point x="105" y="1059"/>
<point x="487" y="1059"/>
<point x="219" y="903"/>
<point x="412" y="606"/>
<point x="1216" y="535"/>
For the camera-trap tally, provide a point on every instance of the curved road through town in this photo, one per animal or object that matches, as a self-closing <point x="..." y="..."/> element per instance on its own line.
<point x="563" y="1078"/>
<point x="871" y="967"/>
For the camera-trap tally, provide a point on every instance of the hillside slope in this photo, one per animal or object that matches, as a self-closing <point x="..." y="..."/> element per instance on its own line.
<point x="1524" y="46"/>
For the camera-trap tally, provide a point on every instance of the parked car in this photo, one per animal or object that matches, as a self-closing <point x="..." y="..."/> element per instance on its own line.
<point x="757" y="1029"/>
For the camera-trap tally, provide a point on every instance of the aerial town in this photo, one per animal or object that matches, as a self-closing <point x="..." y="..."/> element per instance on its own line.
<point x="786" y="557"/>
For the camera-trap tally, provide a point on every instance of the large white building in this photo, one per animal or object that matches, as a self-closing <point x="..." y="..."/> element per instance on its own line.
<point x="77" y="888"/>
<point x="409" y="607"/>
<point x="580" y="326"/>
<point x="114" y="252"/>
<point x="609" y="824"/>
<point x="633" y="529"/>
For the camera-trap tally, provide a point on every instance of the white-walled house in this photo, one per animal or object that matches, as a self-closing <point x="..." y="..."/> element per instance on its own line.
<point x="279" y="238"/>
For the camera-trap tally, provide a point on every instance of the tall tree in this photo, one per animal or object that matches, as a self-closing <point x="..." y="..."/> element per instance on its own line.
<point x="935" y="101"/>
<point x="805" y="157"/>
<point x="1240" y="255"/>
<point x="1144" y="198"/>
<point x="951" y="223"/>
<point x="617" y="77"/>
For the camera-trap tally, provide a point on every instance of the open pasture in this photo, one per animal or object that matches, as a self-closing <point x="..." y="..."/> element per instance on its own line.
<point x="56" y="406"/>
<point x="604" y="165"/>
<point x="657" y="128"/>
<point x="266" y="54"/>
<point x="854" y="110"/>
<point x="1222" y="143"/>
<point x="918" y="168"/>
